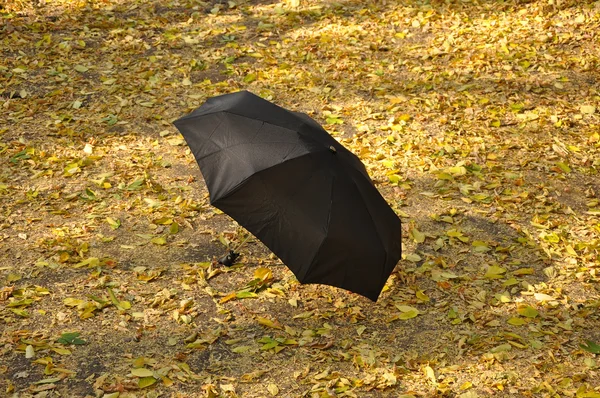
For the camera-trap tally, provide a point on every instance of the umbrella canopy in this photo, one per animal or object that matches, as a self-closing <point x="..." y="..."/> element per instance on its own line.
<point x="280" y="175"/>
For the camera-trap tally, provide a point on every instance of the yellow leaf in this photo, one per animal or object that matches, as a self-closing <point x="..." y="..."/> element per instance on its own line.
<point x="273" y="389"/>
<point x="466" y="385"/>
<point x="176" y="141"/>
<point x="146" y="381"/>
<point x="543" y="297"/>
<point x="395" y="179"/>
<point x="457" y="171"/>
<point x="241" y="349"/>
<point x="263" y="273"/>
<point x="402" y="213"/>
<point x="510" y="282"/>
<point x="229" y="297"/>
<point x="61" y="351"/>
<point x="480" y="246"/>
<point x="494" y="272"/>
<point x="407" y="312"/>
<point x="29" y="351"/>
<point x="142" y="372"/>
<point x="587" y="109"/>
<point x="304" y="315"/>
<point x="564" y="167"/>
<point x="73" y="302"/>
<point x="524" y="271"/>
<point x="502" y="348"/>
<point x="430" y="374"/>
<point x="503" y="297"/>
<point x="114" y="224"/>
<point x="422" y="296"/>
<point x="517" y="321"/>
<point x="413" y="257"/>
<point x="518" y="345"/>
<point x="528" y="311"/>
<point x="159" y="240"/>
<point x="418" y="236"/>
<point x="268" y="323"/>
<point x="399" y="99"/>
<point x="408" y="315"/>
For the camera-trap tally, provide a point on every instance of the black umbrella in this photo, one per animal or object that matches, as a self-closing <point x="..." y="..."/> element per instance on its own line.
<point x="280" y="175"/>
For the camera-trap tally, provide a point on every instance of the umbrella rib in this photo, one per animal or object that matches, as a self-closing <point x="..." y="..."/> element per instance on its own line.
<point x="274" y="205"/>
<point x="258" y="131"/>
<point x="371" y="218"/>
<point x="295" y="129"/>
<point x="215" y="129"/>
<point x="209" y="139"/>
<point x="233" y="146"/>
<point x="297" y="132"/>
<point x="326" y="232"/>
<point x="238" y="186"/>
<point x="292" y="149"/>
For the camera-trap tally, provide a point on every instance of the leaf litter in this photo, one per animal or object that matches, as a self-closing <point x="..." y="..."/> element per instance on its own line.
<point x="478" y="121"/>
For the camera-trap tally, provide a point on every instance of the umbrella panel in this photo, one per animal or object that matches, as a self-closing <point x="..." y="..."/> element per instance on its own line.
<point x="312" y="215"/>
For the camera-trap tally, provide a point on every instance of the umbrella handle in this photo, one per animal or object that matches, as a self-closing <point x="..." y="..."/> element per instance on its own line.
<point x="228" y="259"/>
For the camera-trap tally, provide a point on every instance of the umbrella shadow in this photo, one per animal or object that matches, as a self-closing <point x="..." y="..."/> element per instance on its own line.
<point x="467" y="252"/>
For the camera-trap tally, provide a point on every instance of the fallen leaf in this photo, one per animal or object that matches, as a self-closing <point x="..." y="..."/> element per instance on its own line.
<point x="70" y="338"/>
<point x="495" y="272"/>
<point x="29" y="352"/>
<point x="587" y="109"/>
<point x="590" y="346"/>
<point x="527" y="311"/>
<point x="273" y="389"/>
<point x="516" y="321"/>
<point x="142" y="372"/>
<point x="269" y="323"/>
<point x="417" y="235"/>
<point x="543" y="297"/>
<point x="146" y="382"/>
<point x="114" y="223"/>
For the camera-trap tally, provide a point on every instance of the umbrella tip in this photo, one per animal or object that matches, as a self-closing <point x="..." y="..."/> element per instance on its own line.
<point x="332" y="149"/>
<point x="228" y="259"/>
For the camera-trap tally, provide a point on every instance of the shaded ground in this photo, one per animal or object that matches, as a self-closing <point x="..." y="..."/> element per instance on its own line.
<point x="479" y="122"/>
